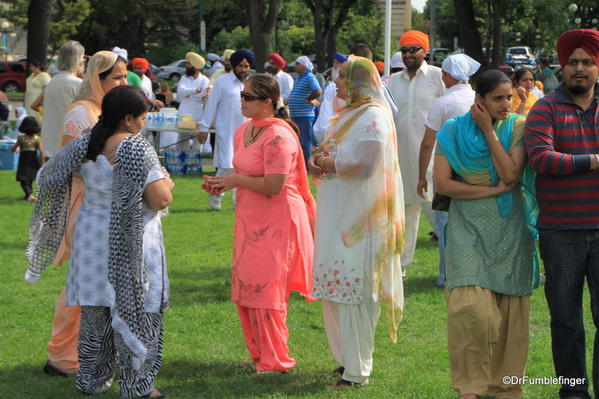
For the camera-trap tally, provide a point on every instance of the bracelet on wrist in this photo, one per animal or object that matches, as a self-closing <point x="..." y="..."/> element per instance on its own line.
<point x="321" y="163"/>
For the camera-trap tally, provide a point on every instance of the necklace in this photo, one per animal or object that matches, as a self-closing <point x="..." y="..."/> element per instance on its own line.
<point x="254" y="137"/>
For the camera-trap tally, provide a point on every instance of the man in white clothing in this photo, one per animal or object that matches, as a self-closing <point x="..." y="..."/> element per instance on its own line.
<point x="275" y="67"/>
<point x="224" y="109"/>
<point x="457" y="100"/>
<point x="330" y="102"/>
<point x="414" y="90"/>
<point x="59" y="94"/>
<point x="140" y="66"/>
<point x="190" y="93"/>
<point x="216" y="64"/>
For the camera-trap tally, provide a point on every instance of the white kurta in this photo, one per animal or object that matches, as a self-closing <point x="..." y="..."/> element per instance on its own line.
<point x="456" y="101"/>
<point x="285" y="82"/>
<point x="58" y="95"/>
<point x="190" y="100"/>
<point x="414" y="98"/>
<point x="224" y="109"/>
<point x="146" y="86"/>
<point x="326" y="111"/>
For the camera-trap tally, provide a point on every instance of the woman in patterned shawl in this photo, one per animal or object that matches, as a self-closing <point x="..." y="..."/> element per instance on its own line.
<point x="117" y="268"/>
<point x="105" y="70"/>
<point x="274" y="212"/>
<point x="360" y="222"/>
<point x="479" y="163"/>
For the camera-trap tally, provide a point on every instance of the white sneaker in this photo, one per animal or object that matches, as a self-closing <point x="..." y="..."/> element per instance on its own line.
<point x="215" y="203"/>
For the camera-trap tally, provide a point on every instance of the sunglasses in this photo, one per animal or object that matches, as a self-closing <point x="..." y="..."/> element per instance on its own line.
<point x="411" y="50"/>
<point x="249" y="97"/>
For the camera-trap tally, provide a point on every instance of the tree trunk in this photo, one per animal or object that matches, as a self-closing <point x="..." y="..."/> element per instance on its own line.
<point x="38" y="30"/>
<point x="469" y="35"/>
<point x="498" y="53"/>
<point x="328" y="19"/>
<point x="262" y="24"/>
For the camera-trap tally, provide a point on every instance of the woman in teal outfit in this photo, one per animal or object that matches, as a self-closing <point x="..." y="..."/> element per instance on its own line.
<point x="479" y="164"/>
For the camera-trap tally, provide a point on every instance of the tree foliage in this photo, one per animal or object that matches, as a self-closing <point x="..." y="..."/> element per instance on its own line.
<point x="498" y="24"/>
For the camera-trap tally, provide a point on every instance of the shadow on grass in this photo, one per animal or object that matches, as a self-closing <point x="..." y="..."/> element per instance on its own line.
<point x="11" y="200"/>
<point x="179" y="379"/>
<point x="185" y="378"/>
<point x="207" y="285"/>
<point x="29" y="381"/>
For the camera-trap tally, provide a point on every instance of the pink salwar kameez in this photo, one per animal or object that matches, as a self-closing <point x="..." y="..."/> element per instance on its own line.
<point x="273" y="243"/>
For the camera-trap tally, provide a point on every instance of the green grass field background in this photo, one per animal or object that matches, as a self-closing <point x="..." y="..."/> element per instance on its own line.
<point x="203" y="340"/>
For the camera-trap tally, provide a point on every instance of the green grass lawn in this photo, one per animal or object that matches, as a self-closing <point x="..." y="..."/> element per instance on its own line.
<point x="203" y="340"/>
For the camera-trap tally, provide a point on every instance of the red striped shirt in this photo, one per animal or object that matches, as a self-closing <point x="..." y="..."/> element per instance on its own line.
<point x="559" y="137"/>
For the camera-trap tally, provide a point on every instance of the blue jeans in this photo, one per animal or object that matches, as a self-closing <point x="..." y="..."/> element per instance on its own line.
<point x="307" y="139"/>
<point x="569" y="256"/>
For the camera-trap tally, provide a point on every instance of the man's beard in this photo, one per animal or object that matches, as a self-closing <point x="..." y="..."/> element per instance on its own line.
<point x="228" y="67"/>
<point x="241" y="76"/>
<point x="578" y="89"/>
<point x="191" y="71"/>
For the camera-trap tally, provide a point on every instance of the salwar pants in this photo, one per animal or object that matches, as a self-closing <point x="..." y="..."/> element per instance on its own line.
<point x="412" y="222"/>
<point x="265" y="332"/>
<point x="350" y="331"/>
<point x="487" y="339"/>
<point x="101" y="349"/>
<point x="62" y="348"/>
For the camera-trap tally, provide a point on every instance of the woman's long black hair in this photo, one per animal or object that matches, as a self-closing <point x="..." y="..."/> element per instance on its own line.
<point x="489" y="80"/>
<point x="117" y="103"/>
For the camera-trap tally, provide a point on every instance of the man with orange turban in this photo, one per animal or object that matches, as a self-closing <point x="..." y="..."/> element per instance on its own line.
<point x="562" y="143"/>
<point x="276" y="65"/>
<point x="140" y="67"/>
<point x="414" y="90"/>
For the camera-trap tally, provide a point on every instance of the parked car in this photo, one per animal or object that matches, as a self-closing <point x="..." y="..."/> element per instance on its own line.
<point x="439" y="55"/>
<point x="12" y="76"/>
<point x="520" y="55"/>
<point x="172" y="71"/>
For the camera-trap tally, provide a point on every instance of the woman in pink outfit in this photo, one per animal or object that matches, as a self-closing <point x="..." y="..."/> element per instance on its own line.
<point x="273" y="242"/>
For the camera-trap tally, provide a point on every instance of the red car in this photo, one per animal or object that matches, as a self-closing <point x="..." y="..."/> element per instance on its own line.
<point x="12" y="76"/>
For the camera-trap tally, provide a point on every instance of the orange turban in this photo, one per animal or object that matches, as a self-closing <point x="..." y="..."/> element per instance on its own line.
<point x="141" y="63"/>
<point x="414" y="38"/>
<point x="380" y="66"/>
<point x="587" y="39"/>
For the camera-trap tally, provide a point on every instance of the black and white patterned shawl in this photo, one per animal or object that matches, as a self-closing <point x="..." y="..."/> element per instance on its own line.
<point x="134" y="159"/>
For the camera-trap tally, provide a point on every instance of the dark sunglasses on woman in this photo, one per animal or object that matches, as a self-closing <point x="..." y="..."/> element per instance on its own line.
<point x="249" y="96"/>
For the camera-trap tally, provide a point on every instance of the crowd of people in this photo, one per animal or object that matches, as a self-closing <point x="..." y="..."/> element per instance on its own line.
<point x="511" y="165"/>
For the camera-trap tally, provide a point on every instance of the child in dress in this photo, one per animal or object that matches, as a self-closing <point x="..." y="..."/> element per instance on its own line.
<point x="31" y="156"/>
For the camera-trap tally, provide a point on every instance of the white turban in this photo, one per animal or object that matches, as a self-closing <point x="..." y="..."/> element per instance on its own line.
<point x="121" y="51"/>
<point x="397" y="61"/>
<point x="305" y="61"/>
<point x="460" y="66"/>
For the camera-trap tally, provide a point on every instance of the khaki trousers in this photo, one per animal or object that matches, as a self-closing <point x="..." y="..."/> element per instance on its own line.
<point x="487" y="339"/>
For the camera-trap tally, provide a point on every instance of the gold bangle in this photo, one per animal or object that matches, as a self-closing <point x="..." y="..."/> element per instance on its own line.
<point x="321" y="163"/>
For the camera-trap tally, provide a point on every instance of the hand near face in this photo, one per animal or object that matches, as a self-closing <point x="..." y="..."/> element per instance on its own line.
<point x="522" y="93"/>
<point x="482" y="117"/>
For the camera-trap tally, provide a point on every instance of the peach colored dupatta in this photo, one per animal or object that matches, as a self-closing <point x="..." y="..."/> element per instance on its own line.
<point x="90" y="96"/>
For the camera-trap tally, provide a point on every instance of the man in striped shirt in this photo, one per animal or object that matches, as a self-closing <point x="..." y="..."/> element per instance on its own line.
<point x="302" y="102"/>
<point x="562" y="142"/>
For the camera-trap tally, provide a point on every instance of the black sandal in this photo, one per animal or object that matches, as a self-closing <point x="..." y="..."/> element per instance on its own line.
<point x="342" y="384"/>
<point x="338" y="372"/>
<point x="53" y="371"/>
